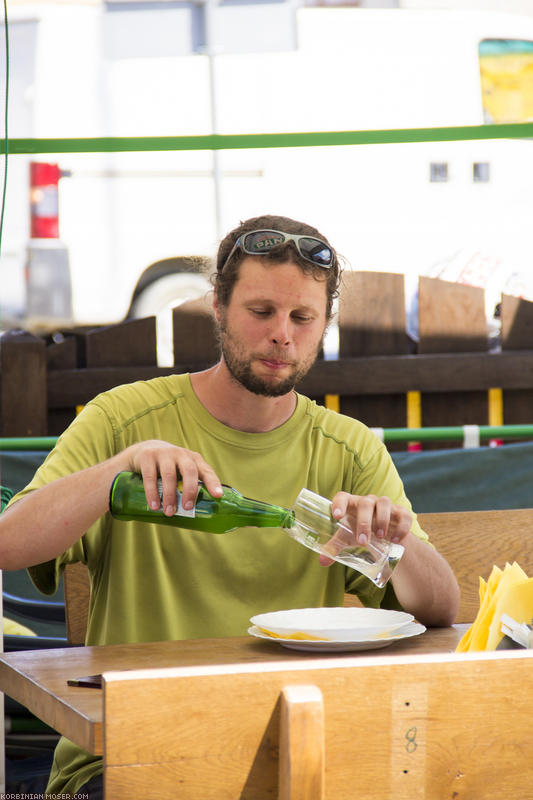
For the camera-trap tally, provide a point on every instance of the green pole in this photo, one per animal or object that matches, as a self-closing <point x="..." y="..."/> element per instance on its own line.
<point x="28" y="443"/>
<point x="456" y="432"/>
<point x="450" y="433"/>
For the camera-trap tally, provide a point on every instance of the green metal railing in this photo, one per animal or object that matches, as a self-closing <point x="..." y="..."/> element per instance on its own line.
<point x="456" y="433"/>
<point x="450" y="433"/>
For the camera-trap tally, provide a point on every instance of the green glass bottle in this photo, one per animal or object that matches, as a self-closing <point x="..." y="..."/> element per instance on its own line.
<point x="127" y="501"/>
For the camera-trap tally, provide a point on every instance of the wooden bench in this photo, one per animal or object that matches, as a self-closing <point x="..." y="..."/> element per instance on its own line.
<point x="474" y="541"/>
<point x="405" y="726"/>
<point x="335" y="728"/>
<point x="471" y="541"/>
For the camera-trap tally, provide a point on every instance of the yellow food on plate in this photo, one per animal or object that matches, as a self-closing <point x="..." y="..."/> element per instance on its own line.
<point x="298" y="635"/>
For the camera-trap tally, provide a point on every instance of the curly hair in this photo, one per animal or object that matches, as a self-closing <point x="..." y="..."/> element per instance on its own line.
<point x="227" y="272"/>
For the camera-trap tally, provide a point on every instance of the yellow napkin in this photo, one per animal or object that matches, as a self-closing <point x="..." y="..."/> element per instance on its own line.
<point x="508" y="591"/>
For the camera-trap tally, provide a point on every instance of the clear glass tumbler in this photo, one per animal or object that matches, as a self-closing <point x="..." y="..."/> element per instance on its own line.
<point x="315" y="527"/>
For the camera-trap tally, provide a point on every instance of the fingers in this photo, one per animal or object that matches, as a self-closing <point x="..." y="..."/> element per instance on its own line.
<point x="155" y="459"/>
<point x="361" y="517"/>
<point x="193" y="468"/>
<point x="370" y="514"/>
<point x="400" y="523"/>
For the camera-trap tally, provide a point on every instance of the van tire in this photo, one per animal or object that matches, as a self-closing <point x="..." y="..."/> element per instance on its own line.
<point x="159" y="298"/>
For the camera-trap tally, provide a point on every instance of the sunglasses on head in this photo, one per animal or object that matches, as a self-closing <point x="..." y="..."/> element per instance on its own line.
<point x="257" y="243"/>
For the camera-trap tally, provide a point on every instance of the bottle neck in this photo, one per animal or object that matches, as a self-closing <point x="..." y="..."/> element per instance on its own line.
<point x="261" y="514"/>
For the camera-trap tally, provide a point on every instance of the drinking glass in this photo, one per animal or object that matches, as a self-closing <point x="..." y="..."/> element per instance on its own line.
<point x="315" y="527"/>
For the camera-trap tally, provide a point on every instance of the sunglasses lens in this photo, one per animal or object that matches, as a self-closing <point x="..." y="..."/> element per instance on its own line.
<point x="258" y="242"/>
<point x="316" y="251"/>
<point x="262" y="241"/>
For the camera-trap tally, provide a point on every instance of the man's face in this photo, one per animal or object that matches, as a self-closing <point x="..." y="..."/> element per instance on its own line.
<point x="272" y="328"/>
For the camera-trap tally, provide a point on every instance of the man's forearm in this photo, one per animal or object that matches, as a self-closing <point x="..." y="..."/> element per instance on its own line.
<point x="425" y="584"/>
<point x="46" y="522"/>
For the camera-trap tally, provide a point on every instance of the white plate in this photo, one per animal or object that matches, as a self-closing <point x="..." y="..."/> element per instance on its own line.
<point x="411" y="629"/>
<point x="335" y="624"/>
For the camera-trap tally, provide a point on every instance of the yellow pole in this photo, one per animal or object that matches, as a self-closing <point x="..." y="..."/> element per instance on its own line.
<point x="495" y="413"/>
<point x="414" y="417"/>
<point x="332" y="401"/>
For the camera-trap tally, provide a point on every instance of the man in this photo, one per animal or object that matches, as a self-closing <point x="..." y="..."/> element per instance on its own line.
<point x="240" y="422"/>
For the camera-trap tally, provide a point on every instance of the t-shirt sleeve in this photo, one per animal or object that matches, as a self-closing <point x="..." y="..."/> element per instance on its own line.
<point x="89" y="440"/>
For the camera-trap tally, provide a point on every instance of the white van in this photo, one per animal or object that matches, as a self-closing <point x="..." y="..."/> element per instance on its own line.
<point x="136" y="228"/>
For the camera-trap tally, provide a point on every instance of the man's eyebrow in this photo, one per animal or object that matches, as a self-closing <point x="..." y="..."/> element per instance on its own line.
<point x="273" y="301"/>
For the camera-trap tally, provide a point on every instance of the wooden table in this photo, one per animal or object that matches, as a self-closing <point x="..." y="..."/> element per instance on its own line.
<point x="245" y="719"/>
<point x="38" y="678"/>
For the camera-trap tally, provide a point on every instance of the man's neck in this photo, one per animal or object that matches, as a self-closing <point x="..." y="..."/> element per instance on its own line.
<point x="235" y="406"/>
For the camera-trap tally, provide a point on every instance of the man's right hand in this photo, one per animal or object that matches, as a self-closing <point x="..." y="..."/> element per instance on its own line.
<point x="155" y="458"/>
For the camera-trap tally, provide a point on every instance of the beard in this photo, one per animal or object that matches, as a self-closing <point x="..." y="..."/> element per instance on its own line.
<point x="239" y="365"/>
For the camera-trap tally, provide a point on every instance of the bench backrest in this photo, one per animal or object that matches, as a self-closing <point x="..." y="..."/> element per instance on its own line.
<point x="428" y="727"/>
<point x="474" y="541"/>
<point x="77" y="588"/>
<point x="471" y="541"/>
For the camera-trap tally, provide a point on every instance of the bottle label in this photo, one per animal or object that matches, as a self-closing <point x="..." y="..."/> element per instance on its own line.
<point x="180" y="512"/>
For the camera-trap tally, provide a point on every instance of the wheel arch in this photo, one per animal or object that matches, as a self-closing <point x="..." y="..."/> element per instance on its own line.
<point x="200" y="265"/>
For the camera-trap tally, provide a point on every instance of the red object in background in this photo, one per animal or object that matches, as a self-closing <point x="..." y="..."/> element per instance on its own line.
<point x="44" y="181"/>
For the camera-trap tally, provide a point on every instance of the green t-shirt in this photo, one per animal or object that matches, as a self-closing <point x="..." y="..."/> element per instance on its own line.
<point x="153" y="582"/>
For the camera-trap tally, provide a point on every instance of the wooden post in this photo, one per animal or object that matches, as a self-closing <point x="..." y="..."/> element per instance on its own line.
<point x="194" y="332"/>
<point x="517" y="334"/>
<point x="301" y="744"/>
<point x="61" y="354"/>
<point x="452" y="319"/>
<point x="372" y="323"/>
<point x="23" y="400"/>
<point x="131" y="343"/>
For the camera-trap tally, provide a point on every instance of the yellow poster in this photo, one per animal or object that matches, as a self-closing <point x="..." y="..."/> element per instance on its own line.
<point x="506" y="67"/>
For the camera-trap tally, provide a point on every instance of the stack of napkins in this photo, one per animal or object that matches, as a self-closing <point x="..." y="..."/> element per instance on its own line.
<point x="507" y="594"/>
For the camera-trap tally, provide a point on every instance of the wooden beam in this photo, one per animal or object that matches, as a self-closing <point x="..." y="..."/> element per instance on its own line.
<point x="356" y="376"/>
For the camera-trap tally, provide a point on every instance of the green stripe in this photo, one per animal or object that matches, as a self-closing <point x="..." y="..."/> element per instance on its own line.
<point x="109" y="144"/>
